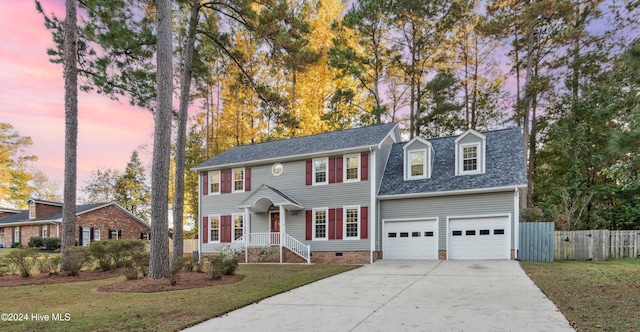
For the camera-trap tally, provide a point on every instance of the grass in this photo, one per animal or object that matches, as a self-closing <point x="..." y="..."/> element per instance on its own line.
<point x="165" y="311"/>
<point x="592" y="295"/>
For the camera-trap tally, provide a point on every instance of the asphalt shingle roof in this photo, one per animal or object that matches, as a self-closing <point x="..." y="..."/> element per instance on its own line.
<point x="23" y="216"/>
<point x="504" y="166"/>
<point x="337" y="140"/>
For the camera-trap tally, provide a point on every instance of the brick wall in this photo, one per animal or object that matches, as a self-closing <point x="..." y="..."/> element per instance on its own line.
<point x="45" y="210"/>
<point x="112" y="217"/>
<point x="348" y="257"/>
<point x="26" y="232"/>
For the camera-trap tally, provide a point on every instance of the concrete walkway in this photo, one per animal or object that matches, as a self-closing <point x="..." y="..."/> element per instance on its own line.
<point x="405" y="296"/>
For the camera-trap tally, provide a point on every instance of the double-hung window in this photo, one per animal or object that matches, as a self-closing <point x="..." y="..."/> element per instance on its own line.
<point x="417" y="164"/>
<point x="320" y="171"/>
<point x="96" y="234"/>
<point x="214" y="228"/>
<point x="352" y="167"/>
<point x="238" y="180"/>
<point x="238" y="225"/>
<point x="214" y="182"/>
<point x="351" y="222"/>
<point x="45" y="231"/>
<point x="32" y="210"/>
<point x="320" y="221"/>
<point x="470" y="158"/>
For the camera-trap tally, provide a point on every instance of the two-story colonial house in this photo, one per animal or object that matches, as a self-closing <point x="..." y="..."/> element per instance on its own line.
<point x="358" y="195"/>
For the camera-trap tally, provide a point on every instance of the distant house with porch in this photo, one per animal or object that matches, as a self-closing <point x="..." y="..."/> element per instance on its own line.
<point x="99" y="221"/>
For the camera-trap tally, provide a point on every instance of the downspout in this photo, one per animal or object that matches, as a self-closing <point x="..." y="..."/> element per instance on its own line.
<point x="200" y="191"/>
<point x="373" y="216"/>
<point x="247" y="224"/>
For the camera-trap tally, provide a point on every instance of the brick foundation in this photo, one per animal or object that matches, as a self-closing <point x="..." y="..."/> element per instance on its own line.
<point x="348" y="257"/>
<point x="442" y="254"/>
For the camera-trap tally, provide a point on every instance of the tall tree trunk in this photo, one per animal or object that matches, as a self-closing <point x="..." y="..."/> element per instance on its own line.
<point x="159" y="251"/>
<point x="525" y="119"/>
<point x="71" y="132"/>
<point x="178" y="196"/>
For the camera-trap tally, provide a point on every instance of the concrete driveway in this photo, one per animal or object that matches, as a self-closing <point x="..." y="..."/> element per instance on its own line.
<point x="406" y="296"/>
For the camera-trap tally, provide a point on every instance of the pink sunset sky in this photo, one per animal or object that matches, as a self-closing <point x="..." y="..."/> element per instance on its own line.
<point x="32" y="100"/>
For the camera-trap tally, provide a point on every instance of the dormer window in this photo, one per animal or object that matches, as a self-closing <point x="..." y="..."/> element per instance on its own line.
<point x="417" y="159"/>
<point x="32" y="210"/>
<point x="470" y="153"/>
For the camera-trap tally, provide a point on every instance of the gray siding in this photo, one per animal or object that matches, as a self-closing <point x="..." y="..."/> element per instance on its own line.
<point x="292" y="183"/>
<point x="382" y="156"/>
<point x="443" y="206"/>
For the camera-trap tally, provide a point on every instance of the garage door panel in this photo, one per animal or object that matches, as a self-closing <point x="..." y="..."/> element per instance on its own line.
<point x="410" y="240"/>
<point x="479" y="238"/>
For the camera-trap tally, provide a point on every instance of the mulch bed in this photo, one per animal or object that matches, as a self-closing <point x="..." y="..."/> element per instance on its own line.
<point x="186" y="280"/>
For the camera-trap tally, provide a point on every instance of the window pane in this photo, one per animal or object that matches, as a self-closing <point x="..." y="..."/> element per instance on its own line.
<point x="417" y="163"/>
<point x="321" y="170"/>
<point x="352" y="222"/>
<point x="469" y="158"/>
<point x="238" y="180"/>
<point x="352" y="168"/>
<point x="215" y="229"/>
<point x="238" y="225"/>
<point x="321" y="224"/>
<point x="214" y="182"/>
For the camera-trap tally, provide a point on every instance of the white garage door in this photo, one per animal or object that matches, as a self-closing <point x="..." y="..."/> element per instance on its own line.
<point x="479" y="238"/>
<point x="410" y="239"/>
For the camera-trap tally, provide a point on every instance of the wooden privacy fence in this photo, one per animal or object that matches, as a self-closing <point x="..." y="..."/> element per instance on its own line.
<point x="536" y="241"/>
<point x="189" y="245"/>
<point x="597" y="245"/>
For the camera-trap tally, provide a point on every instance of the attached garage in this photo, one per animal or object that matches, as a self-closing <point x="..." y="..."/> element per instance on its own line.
<point x="479" y="238"/>
<point x="410" y="239"/>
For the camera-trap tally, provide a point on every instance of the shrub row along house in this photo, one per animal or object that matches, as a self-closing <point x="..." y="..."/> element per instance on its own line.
<point x="362" y="194"/>
<point x="99" y="221"/>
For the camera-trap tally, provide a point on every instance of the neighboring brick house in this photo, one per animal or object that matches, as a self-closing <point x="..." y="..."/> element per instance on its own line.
<point x="99" y="221"/>
<point x="362" y="194"/>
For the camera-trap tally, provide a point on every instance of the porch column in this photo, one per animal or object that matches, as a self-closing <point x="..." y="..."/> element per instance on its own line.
<point x="246" y="229"/>
<point x="282" y="229"/>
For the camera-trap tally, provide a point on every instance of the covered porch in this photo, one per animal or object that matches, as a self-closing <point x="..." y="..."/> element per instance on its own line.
<point x="268" y="208"/>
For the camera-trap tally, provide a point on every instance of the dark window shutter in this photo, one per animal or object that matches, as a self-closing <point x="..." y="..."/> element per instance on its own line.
<point x="364" y="222"/>
<point x="205" y="229"/>
<point x="309" y="224"/>
<point x="339" y="225"/>
<point x="332" y="224"/>
<point x="205" y="183"/>
<point x="109" y="233"/>
<point x="225" y="178"/>
<point x="364" y="167"/>
<point x="49" y="230"/>
<point x="80" y="235"/>
<point x="13" y="235"/>
<point x="119" y="234"/>
<point x="247" y="179"/>
<point x="40" y="231"/>
<point x="141" y="236"/>
<point x="309" y="172"/>
<point x="225" y="229"/>
<point x="332" y="170"/>
<point x="339" y="163"/>
<point x="91" y="234"/>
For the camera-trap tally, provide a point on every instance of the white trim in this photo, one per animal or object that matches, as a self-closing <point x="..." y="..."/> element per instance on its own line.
<point x="233" y="179"/>
<point x="298" y="157"/>
<point x="31" y="223"/>
<point x="96" y="230"/>
<point x="313" y="171"/>
<point x="273" y="169"/>
<point x="451" y="192"/>
<point x="233" y="225"/>
<point x="436" y="233"/>
<point x="481" y="216"/>
<point x="481" y="156"/>
<point x="344" y="222"/>
<point x="344" y="167"/>
<point x="313" y="224"/>
<point x="209" y="182"/>
<point x="472" y="132"/>
<point x="373" y="214"/>
<point x="32" y="210"/>
<point x="200" y="223"/>
<point x="393" y="137"/>
<point x="210" y="229"/>
<point x="479" y="159"/>
<point x="516" y="222"/>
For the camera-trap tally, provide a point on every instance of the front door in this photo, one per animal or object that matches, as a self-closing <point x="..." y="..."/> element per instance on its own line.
<point x="275" y="222"/>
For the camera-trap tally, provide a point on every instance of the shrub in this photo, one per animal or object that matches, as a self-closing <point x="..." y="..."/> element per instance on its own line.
<point x="130" y="270"/>
<point x="99" y="250"/>
<point x="176" y="266"/>
<point x="35" y="242"/>
<point x="112" y="254"/>
<point x="49" y="264"/>
<point x="78" y="258"/>
<point x="141" y="261"/>
<point x="222" y="265"/>
<point x="15" y="245"/>
<point x="24" y="259"/>
<point x="188" y="265"/>
<point x="51" y="243"/>
<point x="4" y="266"/>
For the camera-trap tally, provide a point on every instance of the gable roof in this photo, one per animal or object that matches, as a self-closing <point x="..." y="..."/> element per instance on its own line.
<point x="504" y="167"/>
<point x="363" y="137"/>
<point x="23" y="216"/>
<point x="42" y="201"/>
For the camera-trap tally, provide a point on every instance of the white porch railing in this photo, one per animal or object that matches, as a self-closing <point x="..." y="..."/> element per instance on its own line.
<point x="267" y="240"/>
<point x="297" y="247"/>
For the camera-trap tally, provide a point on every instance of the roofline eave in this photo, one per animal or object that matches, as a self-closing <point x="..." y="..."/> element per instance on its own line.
<point x="453" y="192"/>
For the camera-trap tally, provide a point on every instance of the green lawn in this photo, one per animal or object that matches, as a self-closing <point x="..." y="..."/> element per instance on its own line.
<point x="592" y="295"/>
<point x="166" y="311"/>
